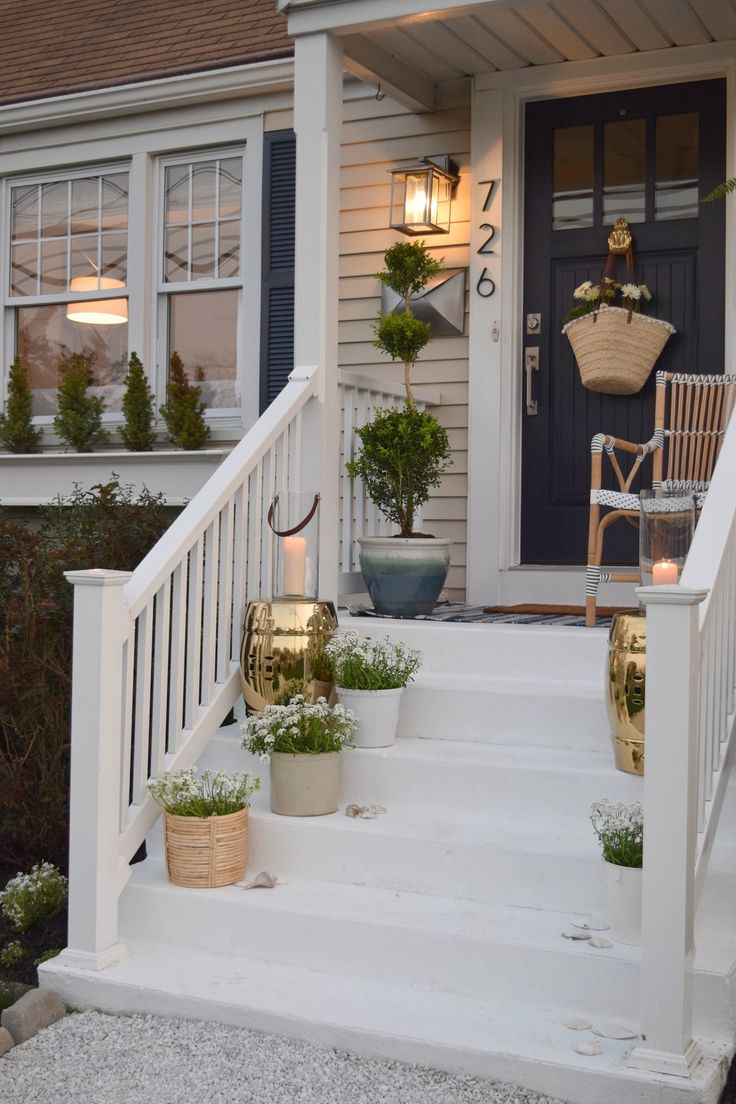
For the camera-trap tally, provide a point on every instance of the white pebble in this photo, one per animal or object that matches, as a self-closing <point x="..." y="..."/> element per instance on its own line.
<point x="576" y="1024"/>
<point x="588" y="1048"/>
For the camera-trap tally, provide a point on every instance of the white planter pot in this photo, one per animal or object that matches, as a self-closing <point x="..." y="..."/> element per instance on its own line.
<point x="624" y="903"/>
<point x="377" y="712"/>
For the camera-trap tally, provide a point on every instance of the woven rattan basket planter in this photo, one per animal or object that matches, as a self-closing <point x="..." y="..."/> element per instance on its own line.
<point x="202" y="854"/>
<point x="615" y="353"/>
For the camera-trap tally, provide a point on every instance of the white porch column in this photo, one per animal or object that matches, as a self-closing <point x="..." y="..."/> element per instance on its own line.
<point x="95" y="874"/>
<point x="670" y="830"/>
<point x="318" y="124"/>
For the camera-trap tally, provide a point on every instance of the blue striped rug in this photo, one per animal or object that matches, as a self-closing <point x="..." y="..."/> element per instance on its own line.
<point x="478" y="615"/>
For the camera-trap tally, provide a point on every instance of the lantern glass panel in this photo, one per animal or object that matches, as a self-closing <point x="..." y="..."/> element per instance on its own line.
<point x="417" y="201"/>
<point x="294" y="519"/>
<point x="666" y="528"/>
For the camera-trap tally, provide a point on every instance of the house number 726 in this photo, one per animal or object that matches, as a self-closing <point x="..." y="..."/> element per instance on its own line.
<point x="485" y="286"/>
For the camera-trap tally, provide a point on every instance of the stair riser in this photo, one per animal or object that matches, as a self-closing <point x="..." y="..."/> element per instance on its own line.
<point x="577" y="977"/>
<point x="500" y="650"/>
<point x="496" y="717"/>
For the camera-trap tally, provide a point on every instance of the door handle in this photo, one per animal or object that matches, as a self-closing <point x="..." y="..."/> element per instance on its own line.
<point x="531" y="365"/>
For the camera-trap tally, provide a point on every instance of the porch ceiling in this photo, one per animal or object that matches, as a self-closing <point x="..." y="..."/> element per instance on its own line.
<point x="413" y="52"/>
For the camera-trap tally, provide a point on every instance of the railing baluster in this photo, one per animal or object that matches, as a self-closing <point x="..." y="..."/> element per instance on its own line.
<point x="209" y="613"/>
<point x="160" y="678"/>
<point x="143" y="662"/>
<point x="346" y="490"/>
<point x="126" y="729"/>
<point x="708" y="688"/>
<point x="225" y="591"/>
<point x="254" y="545"/>
<point x="194" y="633"/>
<point x="241" y="561"/>
<point x="178" y="656"/>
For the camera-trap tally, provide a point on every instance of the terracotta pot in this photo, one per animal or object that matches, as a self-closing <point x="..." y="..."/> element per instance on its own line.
<point x="305" y="785"/>
<point x="377" y="712"/>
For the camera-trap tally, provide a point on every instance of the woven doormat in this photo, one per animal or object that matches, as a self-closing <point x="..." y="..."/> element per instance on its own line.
<point x="508" y="615"/>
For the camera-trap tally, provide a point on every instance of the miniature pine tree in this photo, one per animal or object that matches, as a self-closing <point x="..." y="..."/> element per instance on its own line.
<point x="17" y="432"/>
<point x="184" y="409"/>
<point x="79" y="418"/>
<point x="137" y="431"/>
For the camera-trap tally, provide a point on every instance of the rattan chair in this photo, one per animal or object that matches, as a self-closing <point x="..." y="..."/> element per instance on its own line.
<point x="691" y="414"/>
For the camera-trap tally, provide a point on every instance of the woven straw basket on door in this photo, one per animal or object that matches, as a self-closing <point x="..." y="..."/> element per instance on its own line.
<point x="616" y="351"/>
<point x="202" y="853"/>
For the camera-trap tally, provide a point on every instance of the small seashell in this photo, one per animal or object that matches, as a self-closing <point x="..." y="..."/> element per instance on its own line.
<point x="365" y="812"/>
<point x="353" y="810"/>
<point x="576" y="1024"/>
<point x="575" y="933"/>
<point x="588" y="1048"/>
<point x="600" y="943"/>
<point x="591" y="924"/>
<point x="615" y="1031"/>
<point x="264" y="880"/>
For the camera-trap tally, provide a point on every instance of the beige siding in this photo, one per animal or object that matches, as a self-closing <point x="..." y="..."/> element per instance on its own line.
<point x="378" y="137"/>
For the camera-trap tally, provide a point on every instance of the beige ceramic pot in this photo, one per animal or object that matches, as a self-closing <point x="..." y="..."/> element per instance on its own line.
<point x="305" y="785"/>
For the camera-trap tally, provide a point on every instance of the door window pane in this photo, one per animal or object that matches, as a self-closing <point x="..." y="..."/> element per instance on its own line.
<point x="572" y="199"/>
<point x="203" y="331"/>
<point x="44" y="339"/>
<point x="676" y="187"/>
<point x="624" y="170"/>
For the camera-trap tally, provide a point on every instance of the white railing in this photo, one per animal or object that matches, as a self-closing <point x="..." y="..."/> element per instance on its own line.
<point x="360" y="397"/>
<point x="156" y="662"/>
<point x="691" y="686"/>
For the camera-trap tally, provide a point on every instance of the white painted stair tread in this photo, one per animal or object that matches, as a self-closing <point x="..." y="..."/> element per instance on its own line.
<point x="520" y="1043"/>
<point x="515" y="684"/>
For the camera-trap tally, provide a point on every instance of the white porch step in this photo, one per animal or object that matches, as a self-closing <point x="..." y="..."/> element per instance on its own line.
<point x="432" y="942"/>
<point x="493" y="1038"/>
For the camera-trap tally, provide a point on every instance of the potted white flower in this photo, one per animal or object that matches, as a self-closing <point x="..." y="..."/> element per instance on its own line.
<point x="206" y="825"/>
<point x="620" y="829"/>
<point x="302" y="741"/>
<point x="370" y="676"/>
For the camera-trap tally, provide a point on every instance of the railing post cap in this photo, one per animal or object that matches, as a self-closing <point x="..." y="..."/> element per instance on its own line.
<point x="97" y="576"/>
<point x="666" y="594"/>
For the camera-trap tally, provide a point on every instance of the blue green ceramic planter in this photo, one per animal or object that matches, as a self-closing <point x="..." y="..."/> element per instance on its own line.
<point x="404" y="575"/>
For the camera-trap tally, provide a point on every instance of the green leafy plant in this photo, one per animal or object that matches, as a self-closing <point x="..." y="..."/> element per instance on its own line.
<point x="403" y="454"/>
<point x="107" y="526"/>
<point x="214" y="793"/>
<point x="183" y="411"/>
<point x="591" y="297"/>
<point x="299" y="728"/>
<point x="79" y="418"/>
<point x="52" y="952"/>
<point x="362" y="663"/>
<point x="138" y="409"/>
<point x="31" y="897"/>
<point x="620" y="830"/>
<point x="721" y="191"/>
<point x="401" y="335"/>
<point x="17" y="432"/>
<point x="11" y="955"/>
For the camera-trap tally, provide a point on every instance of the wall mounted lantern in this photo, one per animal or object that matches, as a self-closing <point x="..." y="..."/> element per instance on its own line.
<point x="97" y="312"/>
<point x="421" y="196"/>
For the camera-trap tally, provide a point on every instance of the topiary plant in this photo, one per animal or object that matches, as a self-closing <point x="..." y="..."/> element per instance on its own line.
<point x="17" y="432"/>
<point x="403" y="454"/>
<point x="79" y="417"/>
<point x="138" y="409"/>
<point x="402" y="335"/>
<point x="183" y="410"/>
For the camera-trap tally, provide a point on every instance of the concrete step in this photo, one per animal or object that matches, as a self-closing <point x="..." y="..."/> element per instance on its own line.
<point x="522" y="1043"/>
<point x="427" y="941"/>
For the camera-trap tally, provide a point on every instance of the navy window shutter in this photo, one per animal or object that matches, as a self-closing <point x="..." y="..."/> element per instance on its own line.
<point x="277" y="288"/>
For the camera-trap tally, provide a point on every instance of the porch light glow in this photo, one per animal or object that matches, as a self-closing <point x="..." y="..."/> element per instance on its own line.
<point x="421" y="196"/>
<point x="102" y="312"/>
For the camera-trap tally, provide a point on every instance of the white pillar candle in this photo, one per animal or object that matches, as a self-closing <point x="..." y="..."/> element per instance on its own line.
<point x="664" y="571"/>
<point x="295" y="564"/>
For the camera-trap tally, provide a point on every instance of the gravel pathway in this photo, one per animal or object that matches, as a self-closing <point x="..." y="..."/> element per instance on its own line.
<point x="94" y="1058"/>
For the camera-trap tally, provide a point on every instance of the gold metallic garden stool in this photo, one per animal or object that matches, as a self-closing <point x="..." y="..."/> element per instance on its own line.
<point x="282" y="651"/>
<point x="627" y="654"/>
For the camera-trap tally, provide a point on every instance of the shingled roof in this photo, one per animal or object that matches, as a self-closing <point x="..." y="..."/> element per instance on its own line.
<point x="51" y="47"/>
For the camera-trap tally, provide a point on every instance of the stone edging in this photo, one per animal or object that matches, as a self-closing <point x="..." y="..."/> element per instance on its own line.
<point x="36" y="1009"/>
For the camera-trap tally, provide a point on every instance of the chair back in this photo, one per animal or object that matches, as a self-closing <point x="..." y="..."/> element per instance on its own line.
<point x="692" y="414"/>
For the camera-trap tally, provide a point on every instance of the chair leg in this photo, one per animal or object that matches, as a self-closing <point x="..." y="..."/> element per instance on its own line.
<point x="592" y="576"/>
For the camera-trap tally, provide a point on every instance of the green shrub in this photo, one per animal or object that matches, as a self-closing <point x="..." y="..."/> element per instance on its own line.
<point x="79" y="418"/>
<point x="104" y="527"/>
<point x="17" y="432"/>
<point x="401" y="335"/>
<point x="11" y="955"/>
<point x="184" y="409"/>
<point x="28" y="898"/>
<point x="137" y="432"/>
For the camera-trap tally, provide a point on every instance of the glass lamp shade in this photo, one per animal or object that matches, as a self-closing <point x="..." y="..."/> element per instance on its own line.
<point x="421" y="198"/>
<point x="100" y="312"/>
<point x="666" y="527"/>
<point x="294" y="519"/>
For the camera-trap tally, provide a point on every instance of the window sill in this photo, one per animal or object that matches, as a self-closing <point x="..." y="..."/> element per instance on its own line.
<point x="37" y="479"/>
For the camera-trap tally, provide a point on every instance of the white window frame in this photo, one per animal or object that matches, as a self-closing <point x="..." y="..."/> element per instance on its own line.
<point x="11" y="302"/>
<point x="215" y="416"/>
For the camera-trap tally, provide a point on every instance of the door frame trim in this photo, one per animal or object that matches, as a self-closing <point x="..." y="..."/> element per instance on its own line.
<point x="494" y="571"/>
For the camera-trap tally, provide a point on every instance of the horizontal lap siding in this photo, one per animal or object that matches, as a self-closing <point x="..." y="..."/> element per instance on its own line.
<point x="376" y="138"/>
